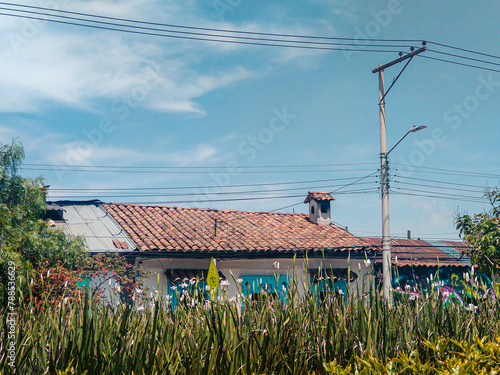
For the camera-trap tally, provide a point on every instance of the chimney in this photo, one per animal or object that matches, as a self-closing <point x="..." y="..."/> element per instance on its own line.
<point x="409" y="234"/>
<point x="319" y="207"/>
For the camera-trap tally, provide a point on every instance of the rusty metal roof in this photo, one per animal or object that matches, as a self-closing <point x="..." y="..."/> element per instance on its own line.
<point x="429" y="253"/>
<point x="89" y="220"/>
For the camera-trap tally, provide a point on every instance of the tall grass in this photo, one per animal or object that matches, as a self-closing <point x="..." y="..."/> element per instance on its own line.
<point x="295" y="336"/>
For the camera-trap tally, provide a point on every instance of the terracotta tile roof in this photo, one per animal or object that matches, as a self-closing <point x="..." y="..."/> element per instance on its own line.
<point x="160" y="228"/>
<point x="318" y="195"/>
<point x="423" y="253"/>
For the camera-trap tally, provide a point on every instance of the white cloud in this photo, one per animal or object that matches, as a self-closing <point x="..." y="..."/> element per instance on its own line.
<point x="46" y="65"/>
<point x="79" y="153"/>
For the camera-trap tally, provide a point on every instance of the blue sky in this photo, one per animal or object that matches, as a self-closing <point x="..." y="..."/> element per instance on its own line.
<point x="81" y="97"/>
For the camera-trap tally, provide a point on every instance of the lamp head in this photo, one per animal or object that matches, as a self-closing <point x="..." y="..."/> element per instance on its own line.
<point x="417" y="128"/>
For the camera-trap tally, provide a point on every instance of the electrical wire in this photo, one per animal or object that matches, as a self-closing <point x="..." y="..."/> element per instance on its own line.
<point x="206" y="193"/>
<point x="464" y="50"/>
<point x="334" y="191"/>
<point x="205" y="187"/>
<point x="463" y="57"/>
<point x="459" y="63"/>
<point x="207" y="34"/>
<point x="210" y="29"/>
<point x="439" y="196"/>
<point x="183" y="172"/>
<point x="441" y="182"/>
<point x="204" y="200"/>
<point x="449" y="171"/>
<point x="318" y="48"/>
<point x="198" y="167"/>
<point x="434" y="186"/>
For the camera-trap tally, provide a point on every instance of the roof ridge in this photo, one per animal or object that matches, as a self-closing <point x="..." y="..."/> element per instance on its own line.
<point x="203" y="209"/>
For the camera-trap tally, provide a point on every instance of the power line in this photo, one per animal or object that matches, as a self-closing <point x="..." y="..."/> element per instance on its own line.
<point x="464" y="50"/>
<point x="463" y="57"/>
<point x="441" y="182"/>
<point x="256" y="39"/>
<point x="197" y="167"/>
<point x="430" y="194"/>
<point x="205" y="187"/>
<point x="203" y="200"/>
<point x="459" y="63"/>
<point x="203" y="34"/>
<point x="434" y="186"/>
<point x="183" y="172"/>
<point x="211" y="29"/>
<point x="318" y="48"/>
<point x="349" y="184"/>
<point x="247" y="199"/>
<point x="206" y="193"/>
<point x="450" y="171"/>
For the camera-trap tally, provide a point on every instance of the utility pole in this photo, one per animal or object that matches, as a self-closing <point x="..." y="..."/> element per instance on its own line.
<point x="384" y="171"/>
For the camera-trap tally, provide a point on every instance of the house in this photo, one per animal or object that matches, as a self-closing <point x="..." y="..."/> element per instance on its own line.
<point x="419" y="262"/>
<point x="258" y="250"/>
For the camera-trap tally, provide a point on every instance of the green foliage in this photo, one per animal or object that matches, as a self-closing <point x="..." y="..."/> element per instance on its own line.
<point x="25" y="238"/>
<point x="299" y="336"/>
<point x="482" y="232"/>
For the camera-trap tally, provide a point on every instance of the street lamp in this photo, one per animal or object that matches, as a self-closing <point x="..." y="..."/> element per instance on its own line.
<point x="386" y="228"/>
<point x="384" y="180"/>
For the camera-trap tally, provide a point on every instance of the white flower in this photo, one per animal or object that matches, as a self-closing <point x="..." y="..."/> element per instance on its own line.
<point x="207" y="287"/>
<point x="140" y="308"/>
<point x="407" y="287"/>
<point x="118" y="289"/>
<point x="183" y="285"/>
<point x="472" y="307"/>
<point x="359" y="267"/>
<point x="138" y="291"/>
<point x="173" y="287"/>
<point x="467" y="276"/>
<point x="224" y="283"/>
<point x="239" y="281"/>
<point x="367" y="262"/>
<point x="472" y="271"/>
<point x="396" y="259"/>
<point x="48" y="273"/>
<point x="341" y="292"/>
<point x="276" y="265"/>
<point x="66" y="284"/>
<point x="192" y="281"/>
<point x="232" y="299"/>
<point x="431" y="276"/>
<point x="168" y="298"/>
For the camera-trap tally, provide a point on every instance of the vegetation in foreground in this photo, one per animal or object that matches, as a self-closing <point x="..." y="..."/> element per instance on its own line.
<point x="297" y="335"/>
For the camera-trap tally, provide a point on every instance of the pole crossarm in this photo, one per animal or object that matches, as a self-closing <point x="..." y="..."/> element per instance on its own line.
<point x="384" y="172"/>
<point x="402" y="58"/>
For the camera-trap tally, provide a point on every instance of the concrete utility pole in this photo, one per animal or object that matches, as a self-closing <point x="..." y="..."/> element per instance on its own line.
<point x="384" y="172"/>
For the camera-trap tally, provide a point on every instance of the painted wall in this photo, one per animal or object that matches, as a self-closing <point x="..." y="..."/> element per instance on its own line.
<point x="264" y="269"/>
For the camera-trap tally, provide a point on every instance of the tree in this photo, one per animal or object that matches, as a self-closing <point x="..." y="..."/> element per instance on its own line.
<point x="25" y="238"/>
<point x="482" y="234"/>
<point x="54" y="261"/>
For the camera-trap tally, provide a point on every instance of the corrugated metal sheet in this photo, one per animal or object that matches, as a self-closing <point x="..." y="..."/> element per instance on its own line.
<point x="423" y="253"/>
<point x="91" y="221"/>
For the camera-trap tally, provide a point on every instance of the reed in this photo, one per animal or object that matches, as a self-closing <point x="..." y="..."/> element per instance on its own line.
<point x="296" y="335"/>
